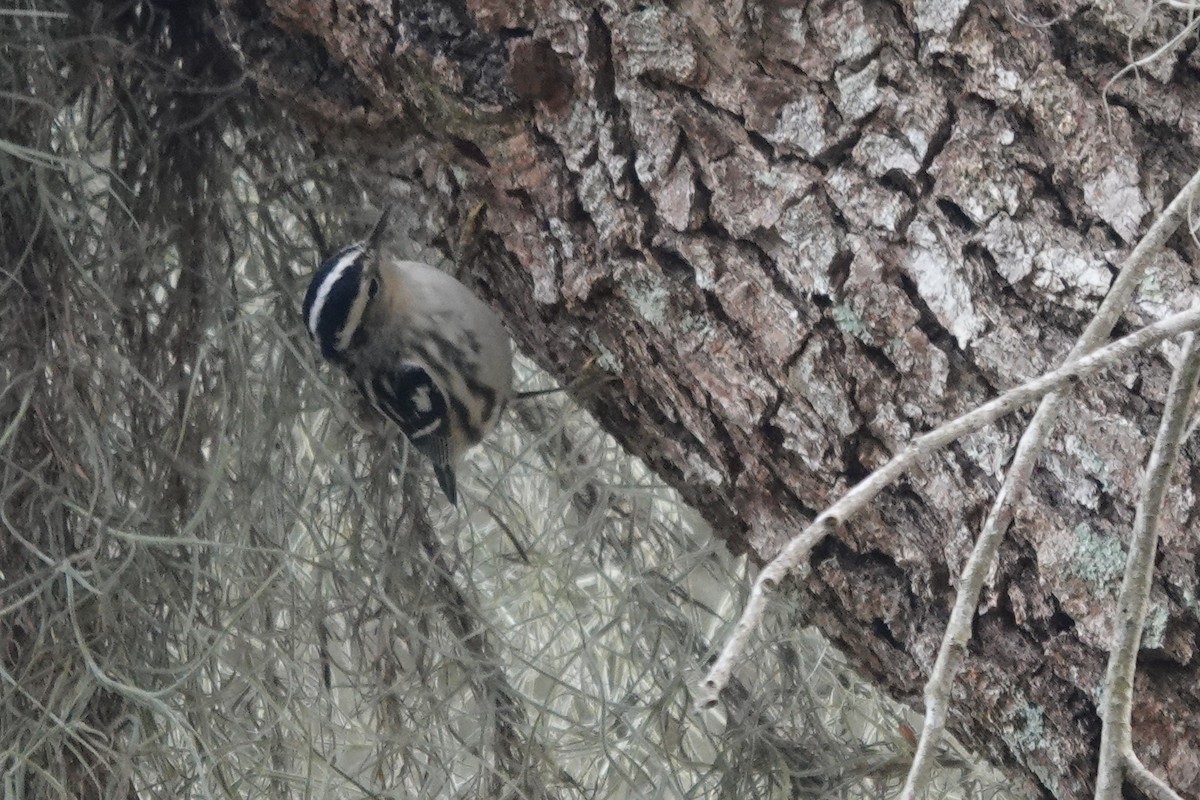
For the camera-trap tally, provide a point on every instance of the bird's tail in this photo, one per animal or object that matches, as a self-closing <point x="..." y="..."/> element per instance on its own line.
<point x="445" y="479"/>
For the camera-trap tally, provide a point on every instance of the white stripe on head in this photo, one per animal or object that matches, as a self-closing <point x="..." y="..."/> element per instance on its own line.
<point x="354" y="317"/>
<point x="327" y="285"/>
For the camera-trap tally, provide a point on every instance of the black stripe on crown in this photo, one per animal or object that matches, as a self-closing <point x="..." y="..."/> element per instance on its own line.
<point x="338" y="300"/>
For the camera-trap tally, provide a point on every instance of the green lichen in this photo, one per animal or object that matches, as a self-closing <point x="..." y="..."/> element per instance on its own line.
<point x="1028" y="734"/>
<point x="1091" y="461"/>
<point x="693" y="323"/>
<point x="1189" y="600"/>
<point x="649" y="299"/>
<point x="1096" y="558"/>
<point x="1029" y="727"/>
<point x="1151" y="289"/>
<point x="767" y="179"/>
<point x="606" y="359"/>
<point x="1154" y="631"/>
<point x="849" y="322"/>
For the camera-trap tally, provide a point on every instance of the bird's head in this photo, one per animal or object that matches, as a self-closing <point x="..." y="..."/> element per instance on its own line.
<point x="340" y="290"/>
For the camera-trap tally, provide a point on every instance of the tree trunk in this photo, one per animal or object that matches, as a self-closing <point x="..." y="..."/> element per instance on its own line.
<point x="799" y="234"/>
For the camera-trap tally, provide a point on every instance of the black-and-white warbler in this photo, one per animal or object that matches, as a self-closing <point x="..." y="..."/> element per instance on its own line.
<point x="423" y="350"/>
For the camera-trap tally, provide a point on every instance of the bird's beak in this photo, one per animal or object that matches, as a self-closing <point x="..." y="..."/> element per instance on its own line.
<point x="370" y="245"/>
<point x="376" y="236"/>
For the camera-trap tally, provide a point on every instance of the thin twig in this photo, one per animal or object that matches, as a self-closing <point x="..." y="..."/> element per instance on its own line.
<point x="983" y="556"/>
<point x="863" y="492"/>
<point x="1116" y="743"/>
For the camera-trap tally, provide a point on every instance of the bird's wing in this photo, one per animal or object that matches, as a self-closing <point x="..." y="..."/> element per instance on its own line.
<point x="408" y="396"/>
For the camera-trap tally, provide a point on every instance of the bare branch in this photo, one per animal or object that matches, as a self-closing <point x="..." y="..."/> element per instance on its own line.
<point x="1116" y="744"/>
<point x="983" y="556"/>
<point x="794" y="553"/>
<point x="1146" y="781"/>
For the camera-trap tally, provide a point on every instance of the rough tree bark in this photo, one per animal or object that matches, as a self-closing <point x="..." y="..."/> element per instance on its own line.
<point x="801" y="233"/>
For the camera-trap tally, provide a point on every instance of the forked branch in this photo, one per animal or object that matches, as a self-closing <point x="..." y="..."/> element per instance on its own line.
<point x="983" y="556"/>
<point x="1049" y="387"/>
<point x="1116" y="743"/>
<point x="797" y="550"/>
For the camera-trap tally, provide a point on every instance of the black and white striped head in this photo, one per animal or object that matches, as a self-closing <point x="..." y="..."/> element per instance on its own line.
<point x="339" y="292"/>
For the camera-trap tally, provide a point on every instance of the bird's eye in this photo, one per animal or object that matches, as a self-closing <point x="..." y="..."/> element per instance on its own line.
<point x="373" y="289"/>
